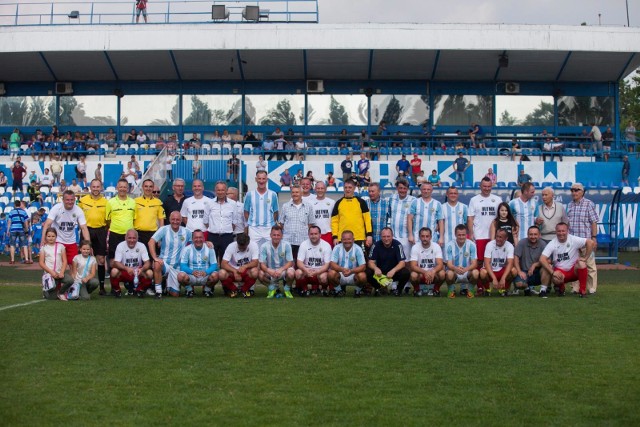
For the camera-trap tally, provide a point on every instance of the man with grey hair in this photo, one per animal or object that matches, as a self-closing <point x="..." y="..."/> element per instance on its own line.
<point x="399" y="207"/>
<point x="173" y="202"/>
<point x="549" y="214"/>
<point x="223" y="220"/>
<point x="295" y="218"/>
<point x="233" y="194"/>
<point x="379" y="210"/>
<point x="583" y="222"/>
<point x="322" y="208"/>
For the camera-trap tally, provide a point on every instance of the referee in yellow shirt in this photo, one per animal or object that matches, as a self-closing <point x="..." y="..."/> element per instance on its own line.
<point x="149" y="213"/>
<point x="120" y="213"/>
<point x="94" y="206"/>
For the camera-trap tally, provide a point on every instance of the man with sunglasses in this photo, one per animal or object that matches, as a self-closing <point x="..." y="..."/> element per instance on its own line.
<point x="583" y="222"/>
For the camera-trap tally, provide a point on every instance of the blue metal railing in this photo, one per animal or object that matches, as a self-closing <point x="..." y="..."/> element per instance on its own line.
<point x="159" y="12"/>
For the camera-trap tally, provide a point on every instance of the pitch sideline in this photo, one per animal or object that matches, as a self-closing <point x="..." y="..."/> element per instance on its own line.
<point x="22" y="304"/>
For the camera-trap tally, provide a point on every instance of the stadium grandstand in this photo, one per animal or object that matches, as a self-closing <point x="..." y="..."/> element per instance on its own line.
<point x="234" y="78"/>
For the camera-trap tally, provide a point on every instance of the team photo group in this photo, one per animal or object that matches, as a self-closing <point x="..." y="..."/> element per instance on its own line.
<point x="313" y="245"/>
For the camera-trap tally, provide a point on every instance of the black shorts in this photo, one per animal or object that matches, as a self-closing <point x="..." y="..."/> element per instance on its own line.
<point x="81" y="175"/>
<point x="98" y="238"/>
<point x="144" y="237"/>
<point x="114" y="240"/>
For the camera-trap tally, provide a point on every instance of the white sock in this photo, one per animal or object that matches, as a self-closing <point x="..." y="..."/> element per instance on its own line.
<point x="158" y="289"/>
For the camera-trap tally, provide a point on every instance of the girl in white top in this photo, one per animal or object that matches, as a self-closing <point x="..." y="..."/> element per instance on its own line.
<point x="53" y="260"/>
<point x="83" y="270"/>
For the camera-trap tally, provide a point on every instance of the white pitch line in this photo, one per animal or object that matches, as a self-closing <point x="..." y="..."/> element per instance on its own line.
<point x="21" y="305"/>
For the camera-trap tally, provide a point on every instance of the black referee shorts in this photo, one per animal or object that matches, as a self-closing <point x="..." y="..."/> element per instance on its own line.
<point x="98" y="237"/>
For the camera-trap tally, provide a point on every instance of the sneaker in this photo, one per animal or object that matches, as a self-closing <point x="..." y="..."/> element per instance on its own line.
<point x="515" y="292"/>
<point x="189" y="294"/>
<point x="436" y="294"/>
<point x="559" y="292"/>
<point x="470" y="295"/>
<point x="376" y="293"/>
<point x="487" y="293"/>
<point x="62" y="297"/>
<point x="480" y="291"/>
<point x="582" y="295"/>
<point x="117" y="294"/>
<point x="533" y="291"/>
<point x="574" y="292"/>
<point x="325" y="293"/>
<point x="592" y="292"/>
<point x="233" y="294"/>
<point x="246" y="294"/>
<point x="543" y="294"/>
<point x="102" y="292"/>
<point x="430" y="293"/>
<point x="151" y="292"/>
<point x="357" y="294"/>
<point x="140" y="294"/>
<point x="502" y="293"/>
<point x="396" y="293"/>
<point x="271" y="294"/>
<point x="464" y="292"/>
<point x="158" y="295"/>
<point x="129" y="293"/>
<point x="339" y="294"/>
<point x="451" y="294"/>
<point x="417" y="294"/>
<point x="207" y="294"/>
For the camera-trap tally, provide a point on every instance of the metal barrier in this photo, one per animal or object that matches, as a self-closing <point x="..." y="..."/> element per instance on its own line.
<point x="165" y="12"/>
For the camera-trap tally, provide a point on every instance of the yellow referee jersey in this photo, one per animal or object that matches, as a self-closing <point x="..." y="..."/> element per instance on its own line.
<point x="148" y="212"/>
<point x="94" y="210"/>
<point x="121" y="213"/>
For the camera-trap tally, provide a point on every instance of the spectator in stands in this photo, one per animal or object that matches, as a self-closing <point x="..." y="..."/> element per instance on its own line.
<point x="196" y="165"/>
<point x="92" y="141"/>
<point x="34" y="192"/>
<point x="286" y="179"/>
<point x="3" y="180"/>
<point x="492" y="176"/>
<point x="251" y="138"/>
<point x="81" y="171"/>
<point x="237" y="137"/>
<point x="301" y="148"/>
<point x="626" y="167"/>
<point x="173" y="202"/>
<point x="289" y="148"/>
<point x="596" y="138"/>
<point x="261" y="164"/>
<point x="136" y="166"/>
<point x="142" y="138"/>
<point x="583" y="222"/>
<point x="607" y="140"/>
<point x="347" y="168"/>
<point x="475" y="134"/>
<point x="267" y="147"/>
<point x="403" y="166"/>
<point x="4" y="145"/>
<point x="460" y="165"/>
<point x="75" y="187"/>
<point x="33" y="177"/>
<point x="421" y="179"/>
<point x="216" y="137"/>
<point x="111" y="140"/>
<point x="233" y="168"/>
<point x="18" y="173"/>
<point x="278" y="133"/>
<point x="55" y="132"/>
<point x="14" y="142"/>
<point x="331" y="181"/>
<point x="298" y="177"/>
<point x="630" y="135"/>
<point x="552" y="147"/>
<point x="98" y="172"/>
<point x="141" y="8"/>
<point x="382" y="129"/>
<point x="160" y="144"/>
<point x="131" y="137"/>
<point x="434" y="179"/>
<point x="523" y="177"/>
<point x="226" y="138"/>
<point x="363" y="166"/>
<point x="56" y="169"/>
<point x="416" y="166"/>
<point x="279" y="145"/>
<point x="343" y="139"/>
<point x="194" y="142"/>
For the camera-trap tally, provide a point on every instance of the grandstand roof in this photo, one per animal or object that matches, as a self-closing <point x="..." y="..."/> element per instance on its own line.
<point x="269" y="51"/>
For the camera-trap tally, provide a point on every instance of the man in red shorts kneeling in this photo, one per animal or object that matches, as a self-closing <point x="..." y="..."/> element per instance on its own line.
<point x="562" y="263"/>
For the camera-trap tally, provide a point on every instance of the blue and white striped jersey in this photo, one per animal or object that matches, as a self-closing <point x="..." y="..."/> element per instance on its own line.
<point x="348" y="259"/>
<point x="461" y="256"/>
<point x="261" y="208"/>
<point x="398" y="211"/>
<point x="275" y="257"/>
<point x="194" y="259"/>
<point x="524" y="212"/>
<point x="172" y="243"/>
<point x="453" y="216"/>
<point x="426" y="215"/>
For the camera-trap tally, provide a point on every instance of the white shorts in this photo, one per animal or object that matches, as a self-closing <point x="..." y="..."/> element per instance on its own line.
<point x="404" y="241"/>
<point x="462" y="278"/>
<point x="350" y="280"/>
<point x="172" y="277"/>
<point x="283" y="276"/>
<point x="260" y="235"/>
<point x="197" y="281"/>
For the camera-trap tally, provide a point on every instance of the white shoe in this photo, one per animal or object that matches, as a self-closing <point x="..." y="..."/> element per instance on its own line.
<point x="151" y="292"/>
<point x="62" y="297"/>
<point x="515" y="292"/>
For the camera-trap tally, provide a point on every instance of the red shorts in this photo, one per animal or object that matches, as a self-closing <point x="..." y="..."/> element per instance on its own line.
<point x="481" y="244"/>
<point x="247" y="282"/>
<point x="143" y="281"/>
<point x="72" y="250"/>
<point x="569" y="276"/>
<point x="306" y="281"/>
<point x="328" y="237"/>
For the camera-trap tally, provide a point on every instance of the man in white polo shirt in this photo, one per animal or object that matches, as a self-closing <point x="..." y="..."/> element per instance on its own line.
<point x="195" y="209"/>
<point x="65" y="217"/>
<point x="313" y="261"/>
<point x="322" y="208"/>
<point x="498" y="271"/>
<point x="562" y="263"/>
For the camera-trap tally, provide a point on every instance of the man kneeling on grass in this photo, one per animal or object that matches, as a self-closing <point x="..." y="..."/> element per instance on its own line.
<point x="276" y="263"/>
<point x="562" y="263"/>
<point x="313" y="261"/>
<point x="498" y="268"/>
<point x="426" y="266"/>
<point x="462" y="263"/>
<point x="131" y="266"/>
<point x="198" y="266"/>
<point x="347" y="266"/>
<point x="527" y="261"/>
<point x="240" y="264"/>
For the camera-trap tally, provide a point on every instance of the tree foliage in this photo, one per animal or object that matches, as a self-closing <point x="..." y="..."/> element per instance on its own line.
<point x="281" y="115"/>
<point x="506" y="119"/>
<point x="392" y="112"/>
<point x="337" y="113"/>
<point x="541" y="116"/>
<point x="630" y="99"/>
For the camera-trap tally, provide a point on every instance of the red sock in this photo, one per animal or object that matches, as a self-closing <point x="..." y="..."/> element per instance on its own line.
<point x="416" y="287"/>
<point x="248" y="283"/>
<point x="229" y="285"/>
<point x="582" y="279"/>
<point x="115" y="283"/>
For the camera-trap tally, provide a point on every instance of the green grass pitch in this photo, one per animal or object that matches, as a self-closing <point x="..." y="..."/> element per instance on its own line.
<point x="321" y="361"/>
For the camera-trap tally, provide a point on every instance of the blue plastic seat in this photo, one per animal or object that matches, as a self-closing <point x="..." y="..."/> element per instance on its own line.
<point x="501" y="184"/>
<point x="512" y="184"/>
<point x="333" y="151"/>
<point x="246" y="151"/>
<point x="312" y="151"/>
<point x="323" y="151"/>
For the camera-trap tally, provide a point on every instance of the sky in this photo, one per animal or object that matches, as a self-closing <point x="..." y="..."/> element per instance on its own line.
<point x="563" y="12"/>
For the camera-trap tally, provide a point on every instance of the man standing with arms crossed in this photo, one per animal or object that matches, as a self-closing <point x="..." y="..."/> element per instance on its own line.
<point x="483" y="209"/>
<point x="583" y="222"/>
<point x="94" y="206"/>
<point x="261" y="210"/>
<point x="425" y="212"/>
<point x="119" y="213"/>
<point x="149" y="213"/>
